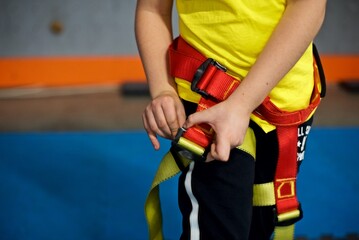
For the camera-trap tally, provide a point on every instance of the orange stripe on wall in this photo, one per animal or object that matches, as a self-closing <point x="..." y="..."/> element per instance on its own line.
<point x="339" y="68"/>
<point x="67" y="71"/>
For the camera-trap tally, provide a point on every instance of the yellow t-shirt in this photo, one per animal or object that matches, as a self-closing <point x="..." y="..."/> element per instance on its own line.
<point x="234" y="32"/>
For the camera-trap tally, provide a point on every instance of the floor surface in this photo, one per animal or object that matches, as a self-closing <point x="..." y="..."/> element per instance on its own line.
<point x="92" y="185"/>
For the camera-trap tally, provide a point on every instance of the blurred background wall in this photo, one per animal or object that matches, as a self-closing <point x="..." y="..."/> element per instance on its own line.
<point x="88" y="27"/>
<point x="92" y="27"/>
<point x="92" y="42"/>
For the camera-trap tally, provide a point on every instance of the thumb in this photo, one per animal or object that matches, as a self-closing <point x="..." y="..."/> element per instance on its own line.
<point x="197" y="118"/>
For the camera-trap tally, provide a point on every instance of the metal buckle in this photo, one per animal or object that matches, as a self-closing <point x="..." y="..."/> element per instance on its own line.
<point x="199" y="73"/>
<point x="289" y="220"/>
<point x="183" y="152"/>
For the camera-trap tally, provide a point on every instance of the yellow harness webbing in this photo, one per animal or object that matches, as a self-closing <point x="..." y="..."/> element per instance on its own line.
<point x="167" y="169"/>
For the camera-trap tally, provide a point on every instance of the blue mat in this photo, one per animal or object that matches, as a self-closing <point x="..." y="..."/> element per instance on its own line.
<point x="84" y="185"/>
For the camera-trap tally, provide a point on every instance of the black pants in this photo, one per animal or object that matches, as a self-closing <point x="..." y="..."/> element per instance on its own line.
<point x="215" y="198"/>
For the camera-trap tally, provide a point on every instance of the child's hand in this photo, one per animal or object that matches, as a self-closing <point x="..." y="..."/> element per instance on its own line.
<point x="163" y="116"/>
<point x="230" y="123"/>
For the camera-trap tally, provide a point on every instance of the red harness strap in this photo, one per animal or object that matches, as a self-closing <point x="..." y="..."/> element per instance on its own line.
<point x="287" y="124"/>
<point x="207" y="78"/>
<point x="210" y="79"/>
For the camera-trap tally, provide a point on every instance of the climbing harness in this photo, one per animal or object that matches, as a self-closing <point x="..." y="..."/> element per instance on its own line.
<point x="209" y="79"/>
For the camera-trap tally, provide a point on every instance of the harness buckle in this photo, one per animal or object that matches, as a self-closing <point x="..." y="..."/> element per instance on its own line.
<point x="199" y="73"/>
<point x="187" y="149"/>
<point x="288" y="218"/>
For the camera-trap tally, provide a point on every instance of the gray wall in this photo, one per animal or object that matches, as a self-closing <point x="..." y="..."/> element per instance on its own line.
<point x="89" y="27"/>
<point x="105" y="27"/>
<point x="340" y="31"/>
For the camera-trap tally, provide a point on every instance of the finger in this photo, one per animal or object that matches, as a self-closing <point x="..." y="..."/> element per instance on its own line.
<point x="171" y="120"/>
<point x="154" y="140"/>
<point x="161" y="122"/>
<point x="198" y="117"/>
<point x="181" y="118"/>
<point x="181" y="115"/>
<point x="221" y="148"/>
<point x="152" y="123"/>
<point x="175" y="115"/>
<point x="151" y="134"/>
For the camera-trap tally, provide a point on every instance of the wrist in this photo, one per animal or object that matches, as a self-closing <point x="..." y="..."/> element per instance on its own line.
<point x="243" y="103"/>
<point x="165" y="92"/>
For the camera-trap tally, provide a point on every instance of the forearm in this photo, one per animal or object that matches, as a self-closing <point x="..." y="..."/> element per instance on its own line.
<point x="300" y="23"/>
<point x="154" y="34"/>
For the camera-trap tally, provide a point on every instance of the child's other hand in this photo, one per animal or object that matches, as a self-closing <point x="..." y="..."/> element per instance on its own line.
<point x="163" y="116"/>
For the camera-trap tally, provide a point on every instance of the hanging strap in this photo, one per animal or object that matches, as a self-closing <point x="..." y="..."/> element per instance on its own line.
<point x="166" y="170"/>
